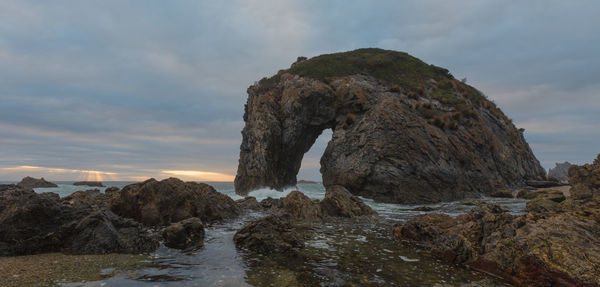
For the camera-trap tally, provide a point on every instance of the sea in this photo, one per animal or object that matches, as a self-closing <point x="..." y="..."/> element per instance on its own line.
<point x="337" y="254"/>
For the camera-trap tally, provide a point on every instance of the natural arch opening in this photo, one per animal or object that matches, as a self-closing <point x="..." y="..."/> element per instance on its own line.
<point x="311" y="162"/>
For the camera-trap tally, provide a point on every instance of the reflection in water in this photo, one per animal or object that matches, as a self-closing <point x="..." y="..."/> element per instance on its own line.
<point x="337" y="253"/>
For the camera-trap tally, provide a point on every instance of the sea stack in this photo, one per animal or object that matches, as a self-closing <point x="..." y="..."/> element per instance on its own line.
<point x="403" y="131"/>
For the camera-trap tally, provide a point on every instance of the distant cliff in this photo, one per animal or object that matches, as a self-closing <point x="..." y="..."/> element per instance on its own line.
<point x="403" y="131"/>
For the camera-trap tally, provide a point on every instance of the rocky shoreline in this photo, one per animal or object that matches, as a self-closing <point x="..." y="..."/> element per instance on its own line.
<point x="556" y="244"/>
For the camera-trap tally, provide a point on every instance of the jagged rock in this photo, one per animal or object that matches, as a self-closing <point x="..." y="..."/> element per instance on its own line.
<point x="560" y="171"/>
<point x="188" y="233"/>
<point x="271" y="234"/>
<point x="558" y="244"/>
<point x="159" y="203"/>
<point x="339" y="202"/>
<point x="37" y="223"/>
<point x="104" y="232"/>
<point x="502" y="194"/>
<point x="249" y="203"/>
<point x="89" y="183"/>
<point x="585" y="180"/>
<point x="300" y="207"/>
<point x="558" y="249"/>
<point x="403" y="131"/>
<point x="30" y="182"/>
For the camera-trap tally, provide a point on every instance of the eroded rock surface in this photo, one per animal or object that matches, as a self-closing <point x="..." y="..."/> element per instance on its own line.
<point x="403" y="131"/>
<point x="160" y="203"/>
<point x="556" y="244"/>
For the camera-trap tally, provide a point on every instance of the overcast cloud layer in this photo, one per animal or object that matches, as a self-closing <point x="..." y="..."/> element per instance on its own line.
<point x="134" y="89"/>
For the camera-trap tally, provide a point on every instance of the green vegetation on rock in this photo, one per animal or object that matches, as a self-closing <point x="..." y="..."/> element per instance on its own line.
<point x="403" y="73"/>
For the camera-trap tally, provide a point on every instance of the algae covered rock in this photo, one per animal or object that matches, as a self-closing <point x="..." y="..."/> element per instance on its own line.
<point x="403" y="131"/>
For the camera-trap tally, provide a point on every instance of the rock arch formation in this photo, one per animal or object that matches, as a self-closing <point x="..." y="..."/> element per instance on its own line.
<point x="403" y="131"/>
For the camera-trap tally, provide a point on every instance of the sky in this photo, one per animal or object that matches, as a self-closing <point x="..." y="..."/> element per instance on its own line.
<point x="127" y="90"/>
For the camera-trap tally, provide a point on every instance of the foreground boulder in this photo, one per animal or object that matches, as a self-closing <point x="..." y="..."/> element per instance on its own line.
<point x="556" y="244"/>
<point x="339" y="202"/>
<point x="403" y="131"/>
<point x="159" y="203"/>
<point x="300" y="207"/>
<point x="530" y="250"/>
<point x="105" y="232"/>
<point x="89" y="183"/>
<point x="186" y="234"/>
<point x="271" y="234"/>
<point x="249" y="203"/>
<point x="30" y="182"/>
<point x="37" y="223"/>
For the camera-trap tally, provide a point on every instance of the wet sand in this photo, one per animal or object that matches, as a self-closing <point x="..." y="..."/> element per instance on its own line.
<point x="52" y="269"/>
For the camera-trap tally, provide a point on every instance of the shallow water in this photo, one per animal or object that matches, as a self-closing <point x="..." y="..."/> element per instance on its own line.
<point x="341" y="253"/>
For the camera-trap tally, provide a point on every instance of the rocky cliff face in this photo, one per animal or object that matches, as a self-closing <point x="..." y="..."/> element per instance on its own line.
<point x="403" y="131"/>
<point x="560" y="171"/>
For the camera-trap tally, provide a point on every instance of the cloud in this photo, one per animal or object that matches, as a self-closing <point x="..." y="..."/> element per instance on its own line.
<point x="139" y="87"/>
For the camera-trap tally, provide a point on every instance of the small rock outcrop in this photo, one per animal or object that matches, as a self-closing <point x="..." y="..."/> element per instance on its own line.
<point x="560" y="171"/>
<point x="30" y="182"/>
<point x="271" y="234"/>
<point x="403" y="131"/>
<point x="556" y="244"/>
<point x="300" y="207"/>
<point x="339" y="202"/>
<point x="89" y="183"/>
<point x="160" y="203"/>
<point x="186" y="234"/>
